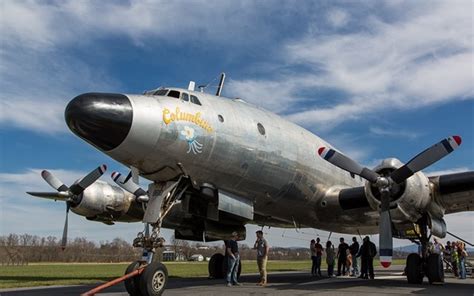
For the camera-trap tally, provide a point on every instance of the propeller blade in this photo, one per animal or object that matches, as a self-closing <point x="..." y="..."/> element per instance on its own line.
<point x="64" y="239"/>
<point x="90" y="178"/>
<point x="53" y="181"/>
<point x="385" y="232"/>
<point x="51" y="195"/>
<point x="340" y="160"/>
<point x="426" y="158"/>
<point x="127" y="184"/>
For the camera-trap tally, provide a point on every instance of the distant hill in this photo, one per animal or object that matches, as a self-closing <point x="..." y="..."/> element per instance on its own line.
<point x="414" y="249"/>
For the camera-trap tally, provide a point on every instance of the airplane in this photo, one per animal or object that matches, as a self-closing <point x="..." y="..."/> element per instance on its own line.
<point x="216" y="164"/>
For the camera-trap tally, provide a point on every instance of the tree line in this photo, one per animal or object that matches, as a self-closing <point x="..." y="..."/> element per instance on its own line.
<point x="18" y="249"/>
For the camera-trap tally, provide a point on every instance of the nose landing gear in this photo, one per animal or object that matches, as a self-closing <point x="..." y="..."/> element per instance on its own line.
<point x="153" y="278"/>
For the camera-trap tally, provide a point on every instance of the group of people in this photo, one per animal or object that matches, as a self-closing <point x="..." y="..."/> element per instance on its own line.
<point x="233" y="258"/>
<point x="346" y="255"/>
<point x="347" y="258"/>
<point x="455" y="253"/>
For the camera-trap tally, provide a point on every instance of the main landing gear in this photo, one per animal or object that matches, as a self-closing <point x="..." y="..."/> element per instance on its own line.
<point x="429" y="265"/>
<point x="218" y="265"/>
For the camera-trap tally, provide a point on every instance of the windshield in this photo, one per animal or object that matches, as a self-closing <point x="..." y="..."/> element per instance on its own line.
<point x="160" y="92"/>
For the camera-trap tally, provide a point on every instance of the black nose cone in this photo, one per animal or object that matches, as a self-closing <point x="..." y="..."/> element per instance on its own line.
<point x="102" y="119"/>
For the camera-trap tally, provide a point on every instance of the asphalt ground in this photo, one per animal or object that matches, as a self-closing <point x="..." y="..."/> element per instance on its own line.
<point x="386" y="282"/>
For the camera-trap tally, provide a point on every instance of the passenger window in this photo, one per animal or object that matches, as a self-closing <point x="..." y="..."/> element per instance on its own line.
<point x="185" y="97"/>
<point x="173" y="94"/>
<point x="195" y="100"/>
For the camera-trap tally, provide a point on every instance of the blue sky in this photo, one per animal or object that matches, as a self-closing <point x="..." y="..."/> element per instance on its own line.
<point x="376" y="79"/>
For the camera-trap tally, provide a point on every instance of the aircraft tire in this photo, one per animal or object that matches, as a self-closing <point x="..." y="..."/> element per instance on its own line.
<point x="414" y="269"/>
<point x="434" y="269"/>
<point x="154" y="279"/>
<point x="215" y="266"/>
<point x="133" y="284"/>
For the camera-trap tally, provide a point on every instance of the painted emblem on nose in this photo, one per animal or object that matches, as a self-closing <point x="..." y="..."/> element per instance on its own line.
<point x="194" y="145"/>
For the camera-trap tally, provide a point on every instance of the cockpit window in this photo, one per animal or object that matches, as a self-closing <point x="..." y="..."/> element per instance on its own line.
<point x="173" y="94"/>
<point x="195" y="100"/>
<point x="160" y="92"/>
<point x="185" y="97"/>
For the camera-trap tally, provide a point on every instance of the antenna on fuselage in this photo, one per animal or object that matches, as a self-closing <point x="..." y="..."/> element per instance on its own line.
<point x="221" y="85"/>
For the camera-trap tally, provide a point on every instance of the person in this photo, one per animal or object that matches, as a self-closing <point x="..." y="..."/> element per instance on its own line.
<point x="367" y="253"/>
<point x="312" y="248"/>
<point x="342" y="257"/>
<point x="447" y="255"/>
<point x="319" y="255"/>
<point x="437" y="248"/>
<point x="233" y="259"/>
<point x="455" y="258"/>
<point x="462" y="260"/>
<point x="262" y="247"/>
<point x="354" y="249"/>
<point x="348" y="260"/>
<point x="330" y="258"/>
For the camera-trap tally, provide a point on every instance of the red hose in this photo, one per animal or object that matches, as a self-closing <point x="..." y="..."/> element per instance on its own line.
<point x="113" y="282"/>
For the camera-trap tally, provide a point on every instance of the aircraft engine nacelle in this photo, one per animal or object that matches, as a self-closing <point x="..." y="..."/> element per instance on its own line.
<point x="103" y="202"/>
<point x="410" y="198"/>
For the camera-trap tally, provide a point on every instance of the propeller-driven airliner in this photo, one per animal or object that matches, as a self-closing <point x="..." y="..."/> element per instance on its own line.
<point x="216" y="164"/>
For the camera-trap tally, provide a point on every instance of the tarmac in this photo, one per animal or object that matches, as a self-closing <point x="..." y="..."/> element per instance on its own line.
<point x="387" y="282"/>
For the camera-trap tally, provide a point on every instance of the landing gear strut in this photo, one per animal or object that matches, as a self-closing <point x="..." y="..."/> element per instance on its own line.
<point x="429" y="265"/>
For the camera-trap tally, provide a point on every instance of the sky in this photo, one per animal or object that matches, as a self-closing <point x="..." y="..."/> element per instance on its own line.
<point x="376" y="79"/>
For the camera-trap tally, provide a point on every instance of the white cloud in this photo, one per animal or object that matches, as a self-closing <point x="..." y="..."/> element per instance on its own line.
<point x="338" y="17"/>
<point x="36" y="86"/>
<point x="15" y="185"/>
<point x="403" y="64"/>
<point x="448" y="171"/>
<point x="39" y="75"/>
<point x="393" y="132"/>
<point x="44" y="24"/>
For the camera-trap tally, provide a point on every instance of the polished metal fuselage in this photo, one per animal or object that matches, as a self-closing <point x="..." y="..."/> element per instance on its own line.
<point x="276" y="167"/>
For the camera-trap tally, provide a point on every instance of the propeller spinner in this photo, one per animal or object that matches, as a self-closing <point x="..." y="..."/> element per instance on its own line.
<point x="385" y="183"/>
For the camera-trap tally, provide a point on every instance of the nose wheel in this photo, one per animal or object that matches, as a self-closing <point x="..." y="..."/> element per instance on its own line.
<point x="154" y="279"/>
<point x="132" y="285"/>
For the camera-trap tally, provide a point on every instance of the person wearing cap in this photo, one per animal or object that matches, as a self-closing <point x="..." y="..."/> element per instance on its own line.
<point x="233" y="258"/>
<point x="262" y="247"/>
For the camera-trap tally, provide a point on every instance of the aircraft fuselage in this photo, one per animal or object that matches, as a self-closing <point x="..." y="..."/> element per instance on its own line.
<point x="236" y="147"/>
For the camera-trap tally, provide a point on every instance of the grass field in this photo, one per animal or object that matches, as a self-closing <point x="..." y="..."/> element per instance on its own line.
<point x="81" y="273"/>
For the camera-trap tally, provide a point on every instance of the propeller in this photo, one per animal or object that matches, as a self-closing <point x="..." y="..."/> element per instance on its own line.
<point x="70" y="194"/>
<point x="128" y="184"/>
<point x="385" y="183"/>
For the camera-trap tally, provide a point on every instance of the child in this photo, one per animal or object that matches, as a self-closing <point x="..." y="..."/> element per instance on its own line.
<point x="349" y="259"/>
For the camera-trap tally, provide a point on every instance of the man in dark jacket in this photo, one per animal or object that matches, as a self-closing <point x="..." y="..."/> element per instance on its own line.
<point x="367" y="253"/>
<point x="354" y="249"/>
<point x="342" y="257"/>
